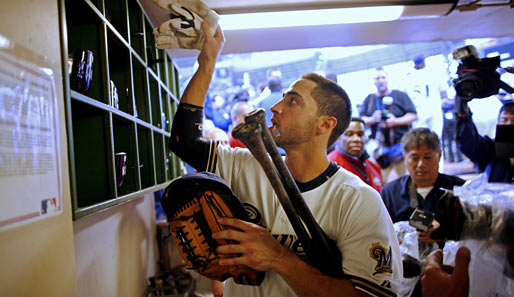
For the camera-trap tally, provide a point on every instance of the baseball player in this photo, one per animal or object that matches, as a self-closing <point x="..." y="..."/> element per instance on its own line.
<point x="310" y="117"/>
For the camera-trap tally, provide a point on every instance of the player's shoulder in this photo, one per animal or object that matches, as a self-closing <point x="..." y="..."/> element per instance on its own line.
<point x="348" y="184"/>
<point x="226" y="151"/>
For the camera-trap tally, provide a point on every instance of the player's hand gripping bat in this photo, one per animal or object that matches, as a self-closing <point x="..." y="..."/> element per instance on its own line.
<point x="321" y="251"/>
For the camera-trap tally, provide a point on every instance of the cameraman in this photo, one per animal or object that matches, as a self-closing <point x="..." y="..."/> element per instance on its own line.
<point x="480" y="149"/>
<point x="388" y="120"/>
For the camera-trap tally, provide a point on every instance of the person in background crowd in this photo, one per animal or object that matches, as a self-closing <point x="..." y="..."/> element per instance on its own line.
<point x="427" y="90"/>
<point x="312" y="115"/>
<point x="241" y="95"/>
<point x="421" y="188"/>
<point x="389" y="114"/>
<point x="481" y="149"/>
<point x="264" y="86"/>
<point x="351" y="155"/>
<point x="275" y="86"/>
<point x="216" y="134"/>
<point x="220" y="116"/>
<point x="449" y="139"/>
<point x="237" y="114"/>
<point x="424" y="185"/>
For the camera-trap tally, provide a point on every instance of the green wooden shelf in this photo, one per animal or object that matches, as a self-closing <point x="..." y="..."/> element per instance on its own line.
<point x="119" y="33"/>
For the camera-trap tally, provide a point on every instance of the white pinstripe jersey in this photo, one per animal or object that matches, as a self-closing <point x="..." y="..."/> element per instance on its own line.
<point x="347" y="209"/>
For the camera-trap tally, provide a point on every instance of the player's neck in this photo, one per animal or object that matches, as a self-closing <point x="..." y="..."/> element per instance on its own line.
<point x="306" y="165"/>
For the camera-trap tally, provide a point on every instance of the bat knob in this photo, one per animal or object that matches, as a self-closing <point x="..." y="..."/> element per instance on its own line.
<point x="256" y="116"/>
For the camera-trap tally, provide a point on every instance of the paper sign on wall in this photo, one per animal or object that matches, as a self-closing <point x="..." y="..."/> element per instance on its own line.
<point x="30" y="186"/>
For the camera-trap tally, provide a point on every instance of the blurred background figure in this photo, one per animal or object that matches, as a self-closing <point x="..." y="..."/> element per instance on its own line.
<point x="220" y="115"/>
<point x="276" y="94"/>
<point x="275" y="86"/>
<point x="426" y="90"/>
<point x="216" y="134"/>
<point x="450" y="148"/>
<point x="389" y="114"/>
<point x="266" y="91"/>
<point x="242" y="95"/>
<point x="237" y="115"/>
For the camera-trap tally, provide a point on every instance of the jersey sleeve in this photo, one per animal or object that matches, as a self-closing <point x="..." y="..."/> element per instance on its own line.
<point x="371" y="254"/>
<point x="186" y="139"/>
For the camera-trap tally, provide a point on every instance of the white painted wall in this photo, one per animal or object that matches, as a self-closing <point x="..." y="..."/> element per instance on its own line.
<point x="116" y="250"/>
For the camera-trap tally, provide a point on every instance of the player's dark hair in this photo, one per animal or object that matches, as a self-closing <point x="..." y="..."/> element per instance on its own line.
<point x="333" y="101"/>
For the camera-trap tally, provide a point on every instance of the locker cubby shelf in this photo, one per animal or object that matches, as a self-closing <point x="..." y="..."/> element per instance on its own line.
<point x="119" y="33"/>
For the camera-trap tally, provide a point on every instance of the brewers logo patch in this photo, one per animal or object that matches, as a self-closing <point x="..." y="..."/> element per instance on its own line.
<point x="383" y="258"/>
<point x="253" y="213"/>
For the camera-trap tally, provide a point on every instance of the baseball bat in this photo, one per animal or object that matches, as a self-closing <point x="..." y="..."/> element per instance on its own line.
<point x="321" y="251"/>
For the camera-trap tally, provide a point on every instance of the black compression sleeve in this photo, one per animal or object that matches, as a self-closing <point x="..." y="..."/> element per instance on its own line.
<point x="186" y="139"/>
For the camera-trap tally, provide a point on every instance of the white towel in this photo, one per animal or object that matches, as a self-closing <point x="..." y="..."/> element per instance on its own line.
<point x="184" y="29"/>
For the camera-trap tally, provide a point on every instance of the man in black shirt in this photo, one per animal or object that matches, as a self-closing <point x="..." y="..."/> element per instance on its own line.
<point x="389" y="114"/>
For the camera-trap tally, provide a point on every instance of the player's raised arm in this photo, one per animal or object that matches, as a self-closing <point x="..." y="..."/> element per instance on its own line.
<point x="196" y="90"/>
<point x="186" y="135"/>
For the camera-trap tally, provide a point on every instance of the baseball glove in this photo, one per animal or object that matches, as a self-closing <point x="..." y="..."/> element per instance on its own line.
<point x="193" y="204"/>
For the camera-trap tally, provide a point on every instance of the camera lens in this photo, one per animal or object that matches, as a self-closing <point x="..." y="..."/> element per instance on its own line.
<point x="467" y="88"/>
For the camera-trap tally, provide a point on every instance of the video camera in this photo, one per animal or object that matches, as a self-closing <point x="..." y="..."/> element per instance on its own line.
<point x="478" y="78"/>
<point x="491" y="221"/>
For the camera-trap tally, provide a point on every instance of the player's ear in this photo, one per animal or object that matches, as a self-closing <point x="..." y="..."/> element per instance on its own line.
<point x="326" y="124"/>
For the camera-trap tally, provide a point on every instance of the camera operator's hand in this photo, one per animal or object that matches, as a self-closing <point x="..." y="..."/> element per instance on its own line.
<point x="425" y="236"/>
<point x="376" y="116"/>
<point x="391" y="121"/>
<point x="462" y="108"/>
<point x="445" y="280"/>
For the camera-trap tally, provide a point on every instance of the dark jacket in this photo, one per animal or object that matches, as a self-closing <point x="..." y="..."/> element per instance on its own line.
<point x="396" y="196"/>
<point x="480" y="150"/>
